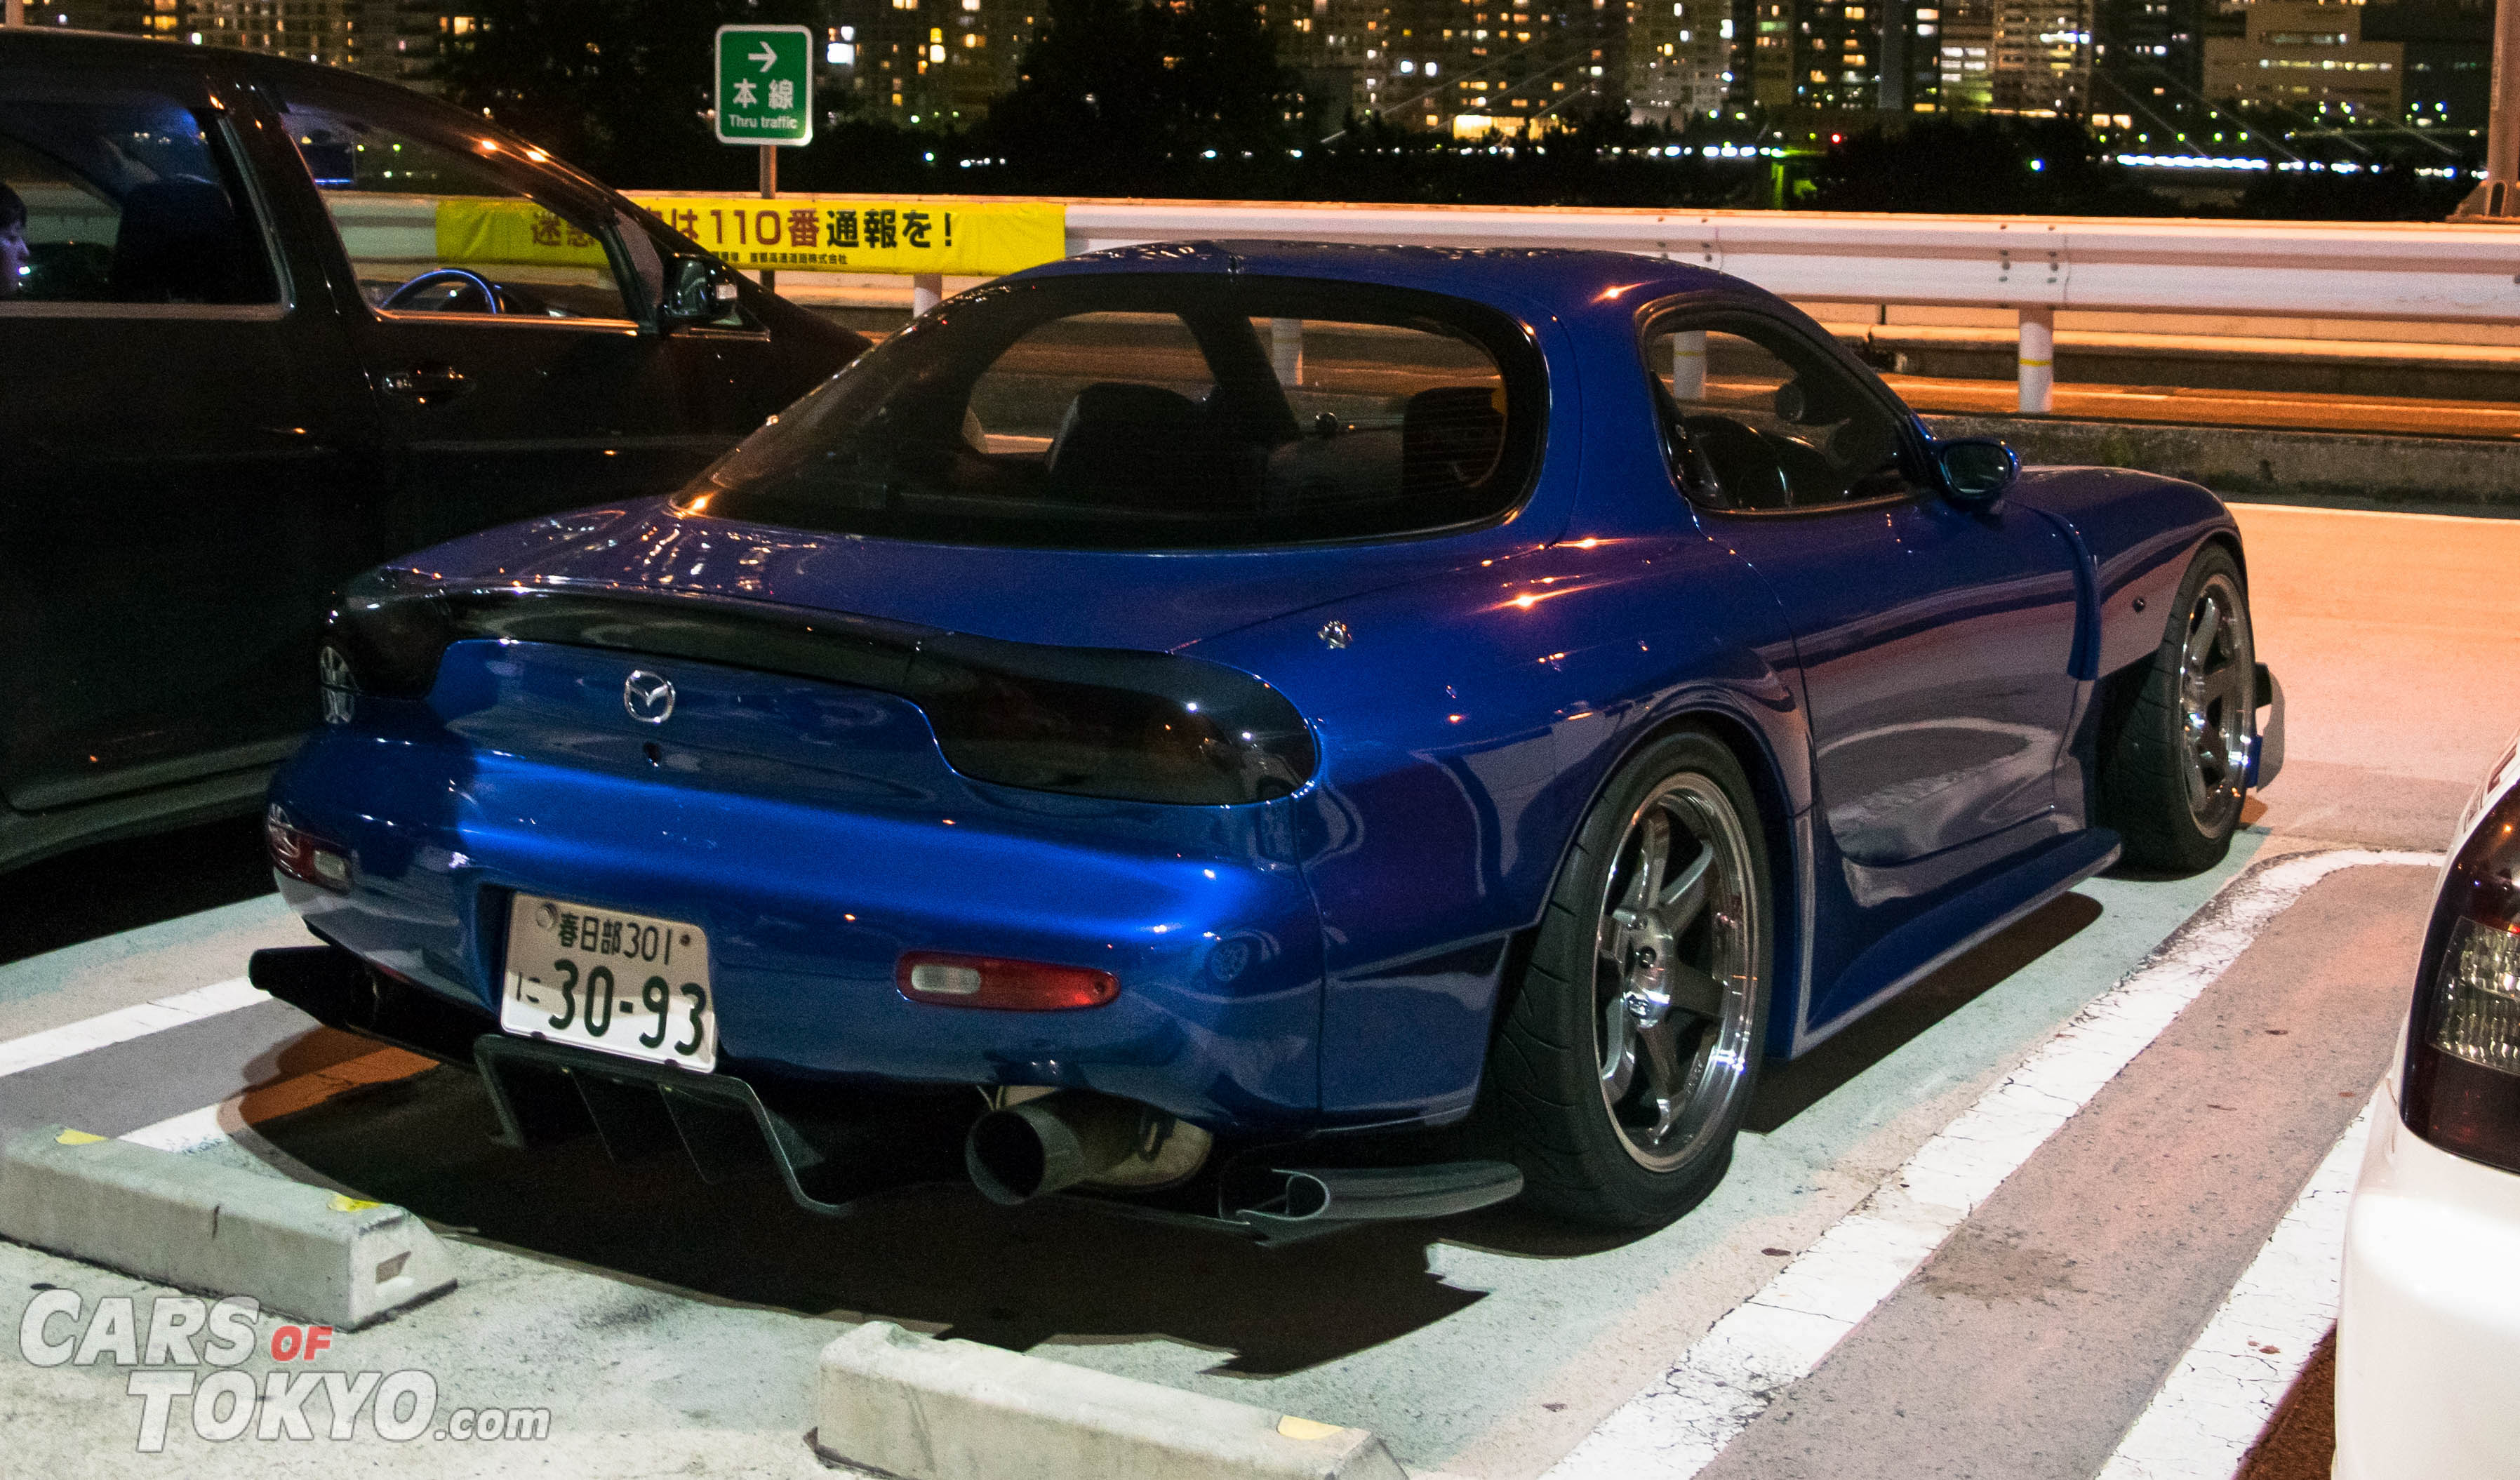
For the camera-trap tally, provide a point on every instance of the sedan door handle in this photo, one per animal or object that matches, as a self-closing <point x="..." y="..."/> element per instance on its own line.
<point x="424" y="383"/>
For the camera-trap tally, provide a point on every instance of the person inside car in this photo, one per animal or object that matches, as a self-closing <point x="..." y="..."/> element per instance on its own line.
<point x="13" y="243"/>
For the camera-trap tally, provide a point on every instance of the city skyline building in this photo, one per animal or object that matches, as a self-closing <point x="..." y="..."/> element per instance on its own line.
<point x="1680" y="59"/>
<point x="2156" y="72"/>
<point x="2040" y="58"/>
<point x="396" y="39"/>
<point x="2306" y="56"/>
<point x="2446" y="80"/>
<point x="924" y="61"/>
<point x="1474" y="69"/>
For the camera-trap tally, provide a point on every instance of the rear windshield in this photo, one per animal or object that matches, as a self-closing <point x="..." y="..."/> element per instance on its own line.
<point x="1157" y="411"/>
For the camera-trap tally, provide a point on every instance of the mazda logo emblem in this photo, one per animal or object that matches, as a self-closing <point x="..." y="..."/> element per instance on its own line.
<point x="649" y="696"/>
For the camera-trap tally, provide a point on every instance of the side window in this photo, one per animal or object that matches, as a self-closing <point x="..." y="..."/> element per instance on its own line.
<point x="1140" y="372"/>
<point x="1755" y="418"/>
<point x="1387" y="411"/>
<point x="122" y="195"/>
<point x="432" y="226"/>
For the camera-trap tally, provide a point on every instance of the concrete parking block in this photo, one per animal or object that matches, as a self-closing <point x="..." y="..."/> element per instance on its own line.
<point x="912" y="1405"/>
<point x="305" y="1251"/>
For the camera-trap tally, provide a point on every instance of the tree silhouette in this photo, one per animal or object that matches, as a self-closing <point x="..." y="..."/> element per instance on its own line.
<point x="617" y="87"/>
<point x="1112" y="88"/>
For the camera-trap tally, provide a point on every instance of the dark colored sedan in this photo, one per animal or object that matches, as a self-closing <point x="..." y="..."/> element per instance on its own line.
<point x="271" y="324"/>
<point x="1241" y="708"/>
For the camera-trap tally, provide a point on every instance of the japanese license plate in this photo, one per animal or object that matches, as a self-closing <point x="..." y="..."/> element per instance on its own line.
<point x="628" y="984"/>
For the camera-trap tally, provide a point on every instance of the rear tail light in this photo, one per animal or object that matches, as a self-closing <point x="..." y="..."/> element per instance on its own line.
<point x="305" y="857"/>
<point x="1152" y="726"/>
<point x="2462" y="1083"/>
<point x="1126" y="725"/>
<point x="989" y="981"/>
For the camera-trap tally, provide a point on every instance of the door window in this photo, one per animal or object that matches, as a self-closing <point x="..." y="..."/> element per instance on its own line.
<point x="122" y="195"/>
<point x="448" y="226"/>
<point x="1757" y="417"/>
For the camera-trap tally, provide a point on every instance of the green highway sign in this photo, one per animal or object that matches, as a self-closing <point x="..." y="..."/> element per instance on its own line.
<point x="765" y="84"/>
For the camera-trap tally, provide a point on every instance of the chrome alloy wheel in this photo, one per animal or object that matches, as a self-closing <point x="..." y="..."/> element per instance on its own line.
<point x="2217" y="696"/>
<point x="1674" y="983"/>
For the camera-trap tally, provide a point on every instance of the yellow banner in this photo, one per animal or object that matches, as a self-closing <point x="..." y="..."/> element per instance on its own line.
<point x="473" y="229"/>
<point x="979" y="239"/>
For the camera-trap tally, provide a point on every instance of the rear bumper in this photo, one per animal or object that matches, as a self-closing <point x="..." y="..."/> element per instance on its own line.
<point x="2428" y="1336"/>
<point x="810" y="903"/>
<point x="830" y="1152"/>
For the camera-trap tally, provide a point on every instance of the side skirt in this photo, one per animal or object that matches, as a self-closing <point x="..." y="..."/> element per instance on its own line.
<point x="2047" y="875"/>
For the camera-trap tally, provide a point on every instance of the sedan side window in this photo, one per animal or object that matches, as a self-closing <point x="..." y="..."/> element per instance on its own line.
<point x="431" y="227"/>
<point x="122" y="195"/>
<point x="1754" y="418"/>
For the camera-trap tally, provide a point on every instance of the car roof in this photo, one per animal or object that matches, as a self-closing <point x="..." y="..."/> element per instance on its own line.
<point x="1572" y="282"/>
<point x="23" y="45"/>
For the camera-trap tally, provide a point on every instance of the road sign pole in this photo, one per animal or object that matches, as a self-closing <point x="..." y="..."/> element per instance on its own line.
<point x="770" y="191"/>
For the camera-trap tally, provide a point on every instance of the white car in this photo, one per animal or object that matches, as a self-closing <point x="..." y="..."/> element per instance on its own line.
<point x="2428" y="1338"/>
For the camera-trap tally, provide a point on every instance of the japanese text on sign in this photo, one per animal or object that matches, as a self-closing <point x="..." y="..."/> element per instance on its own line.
<point x="831" y="234"/>
<point x="478" y="229"/>
<point x="765" y="84"/>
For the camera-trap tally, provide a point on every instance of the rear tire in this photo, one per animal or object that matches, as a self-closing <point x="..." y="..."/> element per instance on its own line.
<point x="2174" y="736"/>
<point x="1627" y="1053"/>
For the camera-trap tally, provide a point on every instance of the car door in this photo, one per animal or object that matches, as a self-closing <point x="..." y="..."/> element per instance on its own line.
<point x="1934" y="640"/>
<point x="504" y="314"/>
<point x="186" y="440"/>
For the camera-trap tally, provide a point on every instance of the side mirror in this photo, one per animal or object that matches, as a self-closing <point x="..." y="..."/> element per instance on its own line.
<point x="698" y="290"/>
<point x="1976" y="471"/>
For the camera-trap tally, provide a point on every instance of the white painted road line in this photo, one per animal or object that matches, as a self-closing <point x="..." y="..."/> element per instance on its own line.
<point x="2224" y="1391"/>
<point x="123" y="1024"/>
<point x="1726" y="1379"/>
<point x="220" y="1132"/>
<point x="194" y="1130"/>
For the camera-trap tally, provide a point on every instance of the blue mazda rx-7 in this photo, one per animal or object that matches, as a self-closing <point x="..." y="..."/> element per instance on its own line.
<point x="1269" y="735"/>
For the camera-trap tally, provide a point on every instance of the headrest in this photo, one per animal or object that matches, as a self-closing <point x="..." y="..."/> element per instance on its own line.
<point x="1129" y="403"/>
<point x="180" y="243"/>
<point x="1450" y="437"/>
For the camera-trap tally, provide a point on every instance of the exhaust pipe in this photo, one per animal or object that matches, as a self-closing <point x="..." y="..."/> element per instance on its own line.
<point x="1056" y="1140"/>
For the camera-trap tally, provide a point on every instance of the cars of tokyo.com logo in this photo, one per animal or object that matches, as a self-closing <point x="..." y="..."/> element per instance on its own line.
<point x="165" y="1340"/>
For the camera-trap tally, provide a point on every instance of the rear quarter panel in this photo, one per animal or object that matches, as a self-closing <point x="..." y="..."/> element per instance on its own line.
<point x="1464" y="729"/>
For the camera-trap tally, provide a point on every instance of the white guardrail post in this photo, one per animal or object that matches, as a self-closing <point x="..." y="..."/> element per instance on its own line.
<point x="926" y="288"/>
<point x="1689" y="365"/>
<point x="2038" y="359"/>
<point x="1286" y="350"/>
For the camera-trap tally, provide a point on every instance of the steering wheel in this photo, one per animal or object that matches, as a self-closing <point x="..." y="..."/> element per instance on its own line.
<point x="1746" y="465"/>
<point x="405" y="296"/>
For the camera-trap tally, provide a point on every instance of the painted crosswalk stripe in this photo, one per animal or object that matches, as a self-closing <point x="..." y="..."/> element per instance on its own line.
<point x="2224" y="1392"/>
<point x="1730" y="1375"/>
<point x="123" y="1024"/>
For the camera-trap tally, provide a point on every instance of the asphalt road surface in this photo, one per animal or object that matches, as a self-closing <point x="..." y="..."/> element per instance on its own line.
<point x="2044" y="1322"/>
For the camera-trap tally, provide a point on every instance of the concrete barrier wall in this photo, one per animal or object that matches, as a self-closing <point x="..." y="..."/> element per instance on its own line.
<point x="2446" y="474"/>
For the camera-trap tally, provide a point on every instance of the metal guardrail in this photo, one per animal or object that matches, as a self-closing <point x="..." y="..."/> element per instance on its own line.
<point x="2438" y="273"/>
<point x="2456" y="273"/>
